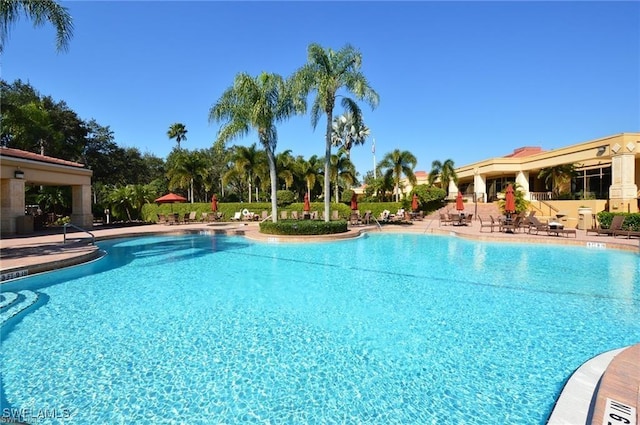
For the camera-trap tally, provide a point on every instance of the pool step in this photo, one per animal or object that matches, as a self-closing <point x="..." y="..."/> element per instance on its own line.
<point x="13" y="303"/>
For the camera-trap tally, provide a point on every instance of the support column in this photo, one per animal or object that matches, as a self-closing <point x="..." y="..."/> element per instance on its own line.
<point x="11" y="204"/>
<point x="453" y="188"/>
<point x="623" y="191"/>
<point x="480" y="186"/>
<point x="522" y="179"/>
<point x="81" y="214"/>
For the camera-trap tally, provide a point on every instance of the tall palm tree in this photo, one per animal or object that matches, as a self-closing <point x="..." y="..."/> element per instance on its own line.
<point x="558" y="177"/>
<point x="396" y="164"/>
<point x="177" y="131"/>
<point x="248" y="162"/>
<point x="256" y="103"/>
<point x="342" y="170"/>
<point x="347" y="131"/>
<point x="446" y="171"/>
<point x="328" y="71"/>
<point x="37" y="11"/>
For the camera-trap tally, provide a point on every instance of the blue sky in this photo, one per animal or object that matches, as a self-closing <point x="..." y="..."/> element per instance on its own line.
<point x="464" y="81"/>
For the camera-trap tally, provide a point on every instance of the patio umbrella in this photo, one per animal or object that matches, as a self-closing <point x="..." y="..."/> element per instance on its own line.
<point x="459" y="202"/>
<point x="509" y="200"/>
<point x="414" y="202"/>
<point x="307" y="205"/>
<point x="214" y="203"/>
<point x="170" y="198"/>
<point x="354" y="202"/>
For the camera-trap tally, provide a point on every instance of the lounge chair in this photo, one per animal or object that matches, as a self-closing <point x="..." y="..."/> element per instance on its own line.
<point x="536" y="225"/>
<point x="616" y="225"/>
<point x="283" y="215"/>
<point x="191" y="218"/>
<point x="162" y="219"/>
<point x="490" y="224"/>
<point x="237" y="216"/>
<point x="294" y="215"/>
<point x="334" y="215"/>
<point x="467" y="219"/>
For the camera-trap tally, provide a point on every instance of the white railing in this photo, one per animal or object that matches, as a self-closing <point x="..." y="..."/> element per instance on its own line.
<point x="540" y="196"/>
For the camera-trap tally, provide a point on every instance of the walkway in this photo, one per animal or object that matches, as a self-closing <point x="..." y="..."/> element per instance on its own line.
<point x="620" y="381"/>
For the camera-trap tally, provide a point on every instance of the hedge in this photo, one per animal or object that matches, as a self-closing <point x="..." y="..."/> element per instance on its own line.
<point x="150" y="211"/>
<point x="631" y="220"/>
<point x="303" y="227"/>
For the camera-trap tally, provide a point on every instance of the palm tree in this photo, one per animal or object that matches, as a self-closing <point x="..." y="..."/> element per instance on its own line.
<point x="122" y="200"/>
<point x="342" y="170"/>
<point x="309" y="171"/>
<point x="256" y="103"/>
<point x="38" y="11"/>
<point x="284" y="165"/>
<point x="348" y="130"/>
<point x="327" y="71"/>
<point x="248" y="161"/>
<point x="557" y="177"/>
<point x="445" y="171"/>
<point x="184" y="168"/>
<point x="396" y="164"/>
<point x="177" y="131"/>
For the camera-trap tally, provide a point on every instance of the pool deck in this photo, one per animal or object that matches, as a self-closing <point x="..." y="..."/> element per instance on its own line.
<point x="614" y="375"/>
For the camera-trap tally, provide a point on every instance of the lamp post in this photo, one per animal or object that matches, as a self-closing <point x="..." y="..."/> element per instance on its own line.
<point x="373" y="151"/>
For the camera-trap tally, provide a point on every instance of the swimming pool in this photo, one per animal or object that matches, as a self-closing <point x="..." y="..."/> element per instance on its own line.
<point x="204" y="329"/>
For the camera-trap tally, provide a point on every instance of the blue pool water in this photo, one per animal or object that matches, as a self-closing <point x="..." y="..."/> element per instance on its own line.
<point x="205" y="329"/>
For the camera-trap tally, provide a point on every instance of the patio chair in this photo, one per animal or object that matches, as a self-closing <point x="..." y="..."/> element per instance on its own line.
<point x="616" y="225"/>
<point x="334" y="215"/>
<point x="367" y="217"/>
<point x="487" y="224"/>
<point x="171" y="219"/>
<point x="284" y="215"/>
<point x="294" y="215"/>
<point x="510" y="226"/>
<point x="162" y="219"/>
<point x="467" y="219"/>
<point x="445" y="219"/>
<point x="237" y="216"/>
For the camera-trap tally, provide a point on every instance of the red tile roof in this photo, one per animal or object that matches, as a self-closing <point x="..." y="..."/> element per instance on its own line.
<point x="17" y="153"/>
<point x="524" y="151"/>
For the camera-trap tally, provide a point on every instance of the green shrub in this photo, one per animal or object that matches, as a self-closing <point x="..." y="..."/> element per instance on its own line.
<point x="303" y="227"/>
<point x="346" y="196"/>
<point x="285" y="197"/>
<point x="631" y="220"/>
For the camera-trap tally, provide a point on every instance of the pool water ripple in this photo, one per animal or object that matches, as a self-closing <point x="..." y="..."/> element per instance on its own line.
<point x="384" y="329"/>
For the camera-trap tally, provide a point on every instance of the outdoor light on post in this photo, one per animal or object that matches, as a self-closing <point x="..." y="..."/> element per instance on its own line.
<point x="18" y="174"/>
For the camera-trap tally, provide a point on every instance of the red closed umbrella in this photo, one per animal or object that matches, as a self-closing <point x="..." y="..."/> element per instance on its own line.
<point x="214" y="203"/>
<point x="459" y="202"/>
<point x="414" y="202"/>
<point x="307" y="205"/>
<point x="509" y="200"/>
<point x="354" y="202"/>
